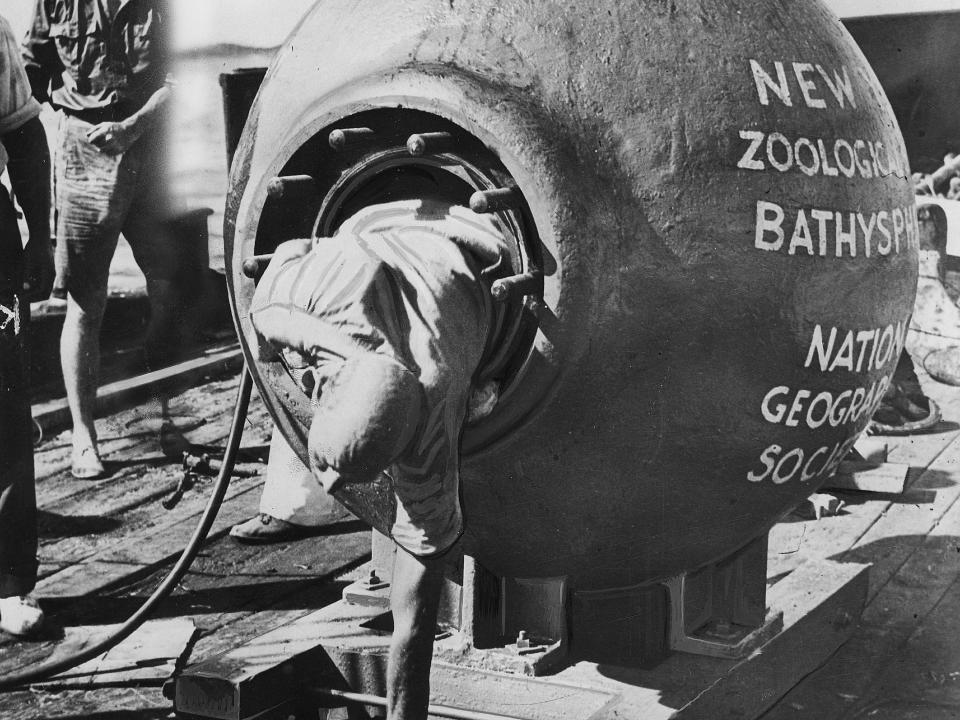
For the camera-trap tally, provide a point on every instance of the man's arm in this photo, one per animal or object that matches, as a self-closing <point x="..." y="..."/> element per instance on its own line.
<point x="114" y="138"/>
<point x="40" y="57"/>
<point x="29" y="168"/>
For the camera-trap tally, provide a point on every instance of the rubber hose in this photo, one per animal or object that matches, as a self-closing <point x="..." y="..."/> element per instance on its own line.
<point x="46" y="670"/>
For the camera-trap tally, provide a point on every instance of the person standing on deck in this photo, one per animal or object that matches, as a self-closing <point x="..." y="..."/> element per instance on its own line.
<point x="103" y="64"/>
<point x="26" y="274"/>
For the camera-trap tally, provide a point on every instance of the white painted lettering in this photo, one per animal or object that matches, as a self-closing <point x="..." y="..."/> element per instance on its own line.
<point x="764" y="82"/>
<point x="780" y="474"/>
<point x="856" y="404"/>
<point x="814" y="167"/>
<point x="864" y="337"/>
<point x="797" y="407"/>
<point x="844" y="356"/>
<point x="848" y="167"/>
<point x="775" y="414"/>
<point x="801" y="235"/>
<point x="772" y="158"/>
<point x="859" y="146"/>
<point x="897" y="228"/>
<point x="825" y="399"/>
<point x="806" y="85"/>
<point x="884" y="352"/>
<point x="824" y="161"/>
<point x="807" y="474"/>
<point x="883" y="247"/>
<point x="867" y="231"/>
<point x="817" y="347"/>
<point x="835" y="417"/>
<point x="840" y="86"/>
<point x="846" y="238"/>
<point x="822" y="216"/>
<point x="749" y="161"/>
<point x="875" y="154"/>
<point x="766" y="224"/>
<point x="767" y="459"/>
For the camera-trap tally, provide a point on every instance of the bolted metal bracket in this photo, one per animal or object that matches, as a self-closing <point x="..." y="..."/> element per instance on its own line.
<point x="715" y="637"/>
<point x="372" y="591"/>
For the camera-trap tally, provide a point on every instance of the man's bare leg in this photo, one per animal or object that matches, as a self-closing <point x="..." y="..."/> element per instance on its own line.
<point x="414" y="601"/>
<point x="80" y="359"/>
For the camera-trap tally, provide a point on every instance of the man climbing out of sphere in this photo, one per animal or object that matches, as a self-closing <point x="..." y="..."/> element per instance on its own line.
<point x="385" y="324"/>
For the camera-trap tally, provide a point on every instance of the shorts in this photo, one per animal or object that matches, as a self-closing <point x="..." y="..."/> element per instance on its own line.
<point x="98" y="196"/>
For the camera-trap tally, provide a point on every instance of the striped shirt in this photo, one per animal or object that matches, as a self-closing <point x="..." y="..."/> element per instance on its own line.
<point x="395" y="279"/>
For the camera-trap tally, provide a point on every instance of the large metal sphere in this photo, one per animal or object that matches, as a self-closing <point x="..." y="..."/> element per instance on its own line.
<point x="728" y="237"/>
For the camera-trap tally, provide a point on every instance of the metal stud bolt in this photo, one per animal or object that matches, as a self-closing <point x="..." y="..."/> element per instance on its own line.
<point x="431" y="142"/>
<point x="487" y="201"/>
<point x="344" y="138"/>
<point x="253" y="265"/>
<point x="291" y="187"/>
<point x="516" y="285"/>
<point x="523" y="642"/>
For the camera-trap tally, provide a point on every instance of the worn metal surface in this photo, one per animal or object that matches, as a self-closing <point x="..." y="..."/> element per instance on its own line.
<point x="729" y="249"/>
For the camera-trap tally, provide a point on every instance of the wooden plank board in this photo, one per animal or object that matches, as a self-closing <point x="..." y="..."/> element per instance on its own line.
<point x="870" y="477"/>
<point x="891" y="617"/>
<point x="148" y="657"/>
<point x="909" y="521"/>
<point x="140" y="553"/>
<point x="54" y="415"/>
<point x="792" y="543"/>
<point x="127" y="504"/>
<point x="274" y="583"/>
<point x="132" y="438"/>
<point x="923" y="680"/>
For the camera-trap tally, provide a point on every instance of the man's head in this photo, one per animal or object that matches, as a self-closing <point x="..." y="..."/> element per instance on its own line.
<point x="365" y="416"/>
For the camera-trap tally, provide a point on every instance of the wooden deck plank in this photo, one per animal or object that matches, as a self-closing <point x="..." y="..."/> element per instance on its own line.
<point x="924" y="677"/>
<point x="928" y="500"/>
<point x="55" y="415"/>
<point x="891" y="617"/>
<point x="932" y="460"/>
<point x="277" y="584"/>
<point x="141" y="551"/>
<point x="133" y="437"/>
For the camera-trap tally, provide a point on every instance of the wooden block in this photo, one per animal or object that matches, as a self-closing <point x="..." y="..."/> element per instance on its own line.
<point x="148" y="656"/>
<point x="870" y="477"/>
<point x="870" y="449"/>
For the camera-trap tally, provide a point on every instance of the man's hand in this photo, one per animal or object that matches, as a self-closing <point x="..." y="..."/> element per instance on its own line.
<point x="37" y="270"/>
<point x="114" y="138"/>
